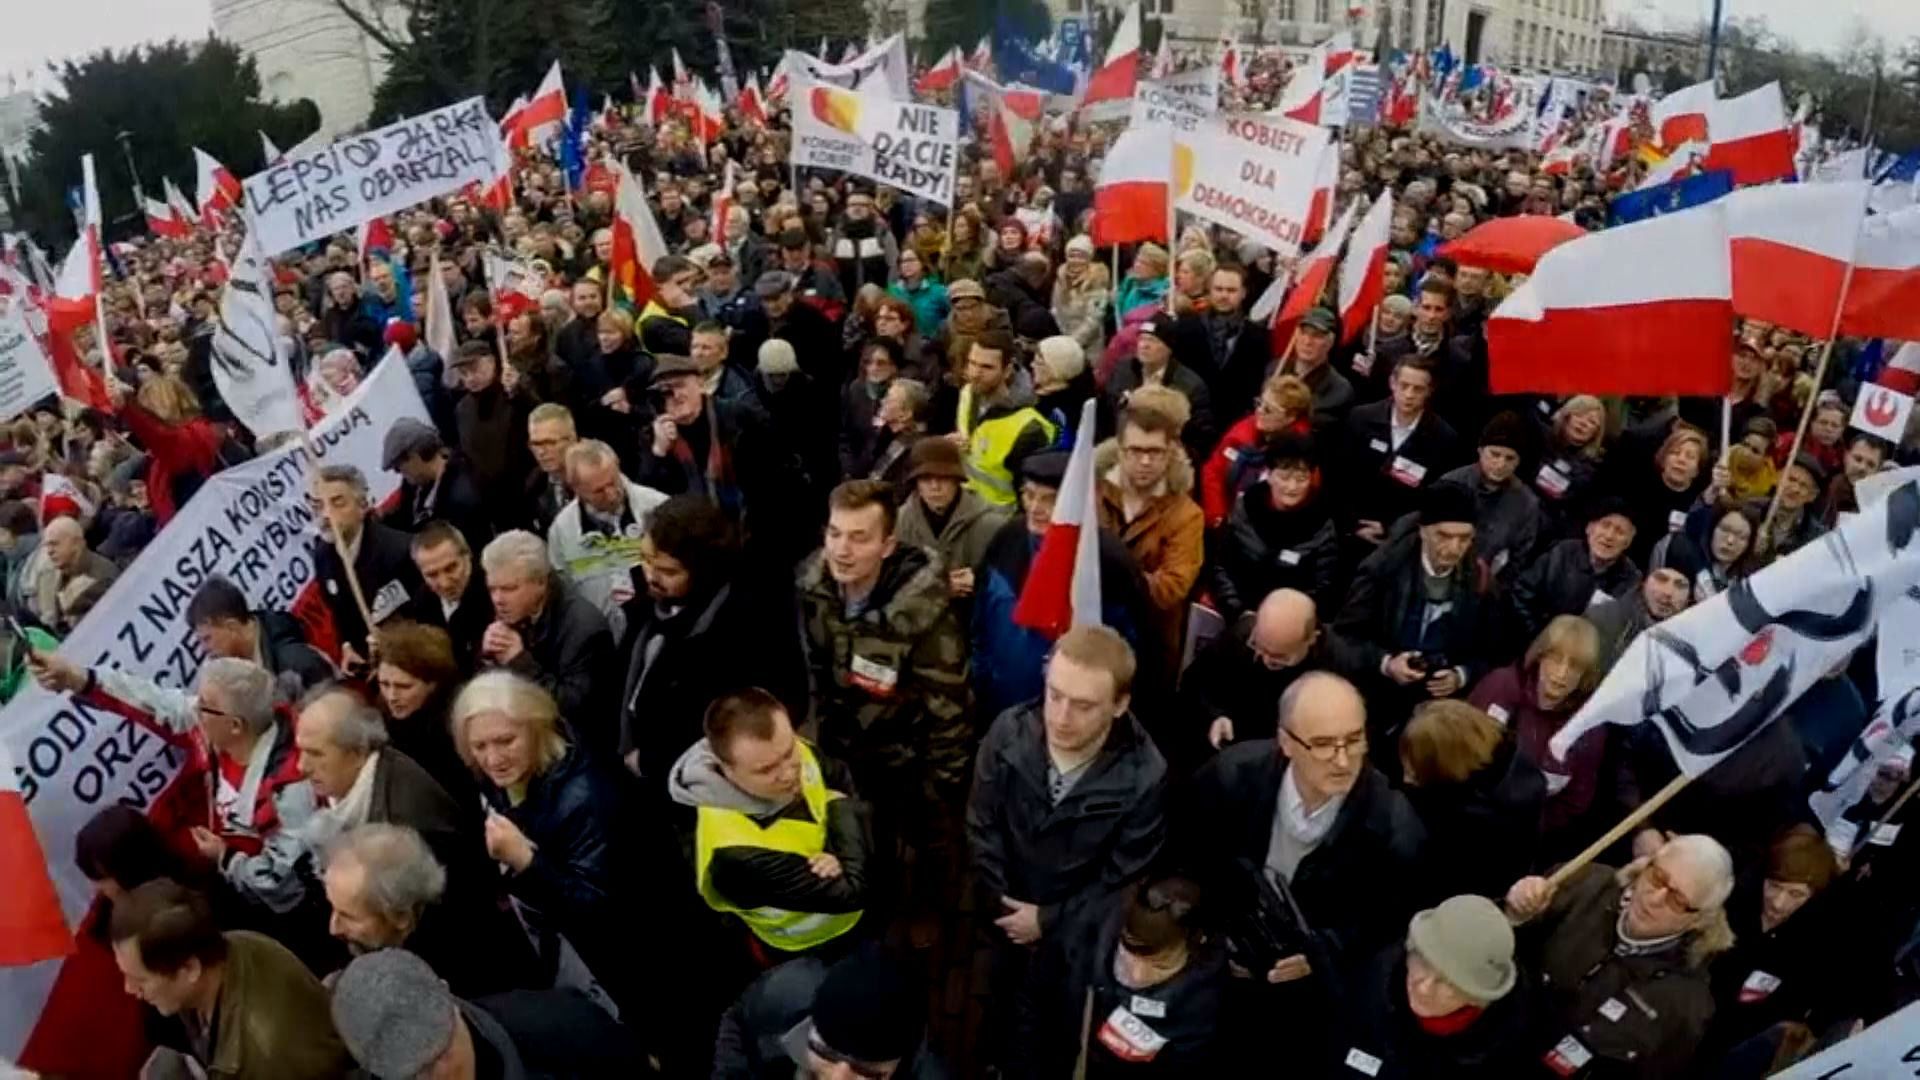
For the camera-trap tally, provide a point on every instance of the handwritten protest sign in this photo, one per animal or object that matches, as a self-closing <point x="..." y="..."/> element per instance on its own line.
<point x="1252" y="174"/>
<point x="361" y="177"/>
<point x="1182" y="100"/>
<point x="25" y="374"/>
<point x="903" y="144"/>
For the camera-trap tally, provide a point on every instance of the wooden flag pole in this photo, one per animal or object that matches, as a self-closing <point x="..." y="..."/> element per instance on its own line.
<point x="1912" y="786"/>
<point x="1627" y="825"/>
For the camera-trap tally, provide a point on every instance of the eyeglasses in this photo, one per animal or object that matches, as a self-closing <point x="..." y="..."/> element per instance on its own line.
<point x="1665" y="889"/>
<point x="834" y="1057"/>
<point x="1329" y="749"/>
<point x="1145" y="453"/>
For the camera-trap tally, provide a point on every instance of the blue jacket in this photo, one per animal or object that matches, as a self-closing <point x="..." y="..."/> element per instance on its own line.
<point x="929" y="302"/>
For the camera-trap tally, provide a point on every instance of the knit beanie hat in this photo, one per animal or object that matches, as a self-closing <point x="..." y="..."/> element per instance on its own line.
<point x="1509" y="431"/>
<point x="1470" y="943"/>
<point x="1678" y="552"/>
<point x="866" y="1010"/>
<point x="1447" y="504"/>
<point x="393" y="1012"/>
<point x="1064" y="357"/>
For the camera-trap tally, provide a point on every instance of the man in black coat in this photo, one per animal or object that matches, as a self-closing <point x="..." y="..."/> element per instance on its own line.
<point x="456" y="597"/>
<point x="545" y="631"/>
<point x="704" y="628"/>
<point x="579" y="340"/>
<point x="1310" y="353"/>
<point x="1419" y="616"/>
<point x="1233" y="689"/>
<point x="434" y="486"/>
<point x="382" y="563"/>
<point x="1394" y="448"/>
<point x="1577" y="573"/>
<point x="1228" y="350"/>
<point x="1067" y="797"/>
<point x="226" y="626"/>
<point x="1155" y="363"/>
<point x="1308" y="811"/>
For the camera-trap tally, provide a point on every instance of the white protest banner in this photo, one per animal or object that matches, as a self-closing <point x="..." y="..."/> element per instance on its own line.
<point x="883" y="68"/>
<point x="902" y="144"/>
<point x="1511" y="131"/>
<point x="362" y="177"/>
<point x="1883" y="412"/>
<point x="26" y="375"/>
<point x="249" y="365"/>
<point x="1258" y="176"/>
<point x="1182" y="100"/>
<point x="1888" y="1048"/>
<point x="250" y="524"/>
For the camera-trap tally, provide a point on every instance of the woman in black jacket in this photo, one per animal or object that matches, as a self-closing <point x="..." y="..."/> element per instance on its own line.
<point x="1478" y="796"/>
<point x="418" y="676"/>
<point x="1279" y="536"/>
<point x="1151" y="978"/>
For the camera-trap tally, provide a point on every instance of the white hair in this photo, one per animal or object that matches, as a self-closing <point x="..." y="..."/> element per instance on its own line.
<point x="246" y="688"/>
<point x="400" y="876"/>
<point x="517" y="551"/>
<point x="1704" y="856"/>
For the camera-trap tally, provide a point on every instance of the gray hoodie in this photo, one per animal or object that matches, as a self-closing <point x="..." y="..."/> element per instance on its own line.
<point x="696" y="781"/>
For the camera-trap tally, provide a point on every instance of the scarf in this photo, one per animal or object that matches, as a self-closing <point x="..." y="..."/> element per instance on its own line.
<point x="350" y="809"/>
<point x="717" y="472"/>
<point x="1453" y="1023"/>
<point x="1626" y="944"/>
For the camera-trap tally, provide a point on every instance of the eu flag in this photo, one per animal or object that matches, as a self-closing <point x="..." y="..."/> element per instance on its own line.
<point x="1018" y="63"/>
<point x="1670" y="197"/>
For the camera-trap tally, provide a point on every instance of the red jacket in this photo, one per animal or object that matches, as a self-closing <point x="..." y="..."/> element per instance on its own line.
<point x="173" y="451"/>
<point x="1239" y="455"/>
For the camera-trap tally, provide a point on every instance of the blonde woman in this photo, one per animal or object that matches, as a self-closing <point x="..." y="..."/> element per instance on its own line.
<point x="1478" y="796"/>
<point x="1146" y="283"/>
<point x="1192" y="272"/>
<point x="1535" y="697"/>
<point x="183" y="447"/>
<point x="1080" y="296"/>
<point x="1569" y="464"/>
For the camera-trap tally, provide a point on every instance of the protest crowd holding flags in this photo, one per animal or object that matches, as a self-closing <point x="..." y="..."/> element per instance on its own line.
<point x="1066" y="559"/>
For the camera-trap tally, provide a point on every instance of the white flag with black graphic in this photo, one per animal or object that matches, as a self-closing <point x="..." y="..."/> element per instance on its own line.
<point x="1714" y="675"/>
<point x="249" y="366"/>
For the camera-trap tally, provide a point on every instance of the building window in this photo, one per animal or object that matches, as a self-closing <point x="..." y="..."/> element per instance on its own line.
<point x="1323" y="11"/>
<point x="1285" y="9"/>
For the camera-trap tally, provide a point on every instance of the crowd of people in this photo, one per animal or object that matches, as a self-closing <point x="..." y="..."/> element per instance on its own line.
<point x="694" y="707"/>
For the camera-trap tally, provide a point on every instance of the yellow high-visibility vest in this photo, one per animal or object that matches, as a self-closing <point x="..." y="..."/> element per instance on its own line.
<point x="988" y="444"/>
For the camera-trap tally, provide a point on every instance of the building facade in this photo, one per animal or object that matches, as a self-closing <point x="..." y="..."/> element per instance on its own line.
<point x="1626" y="49"/>
<point x="309" y="49"/>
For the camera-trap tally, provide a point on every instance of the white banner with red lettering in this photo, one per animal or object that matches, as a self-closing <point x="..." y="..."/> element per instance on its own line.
<point x="251" y="524"/>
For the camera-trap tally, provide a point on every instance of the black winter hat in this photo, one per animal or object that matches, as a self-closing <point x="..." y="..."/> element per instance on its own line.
<point x="868" y="1011"/>
<point x="1447" y="504"/>
<point x="1508" y="430"/>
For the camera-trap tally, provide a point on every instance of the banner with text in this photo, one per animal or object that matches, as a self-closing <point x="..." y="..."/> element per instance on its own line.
<point x="902" y="144"/>
<point x="1182" y="100"/>
<point x="250" y="524"/>
<point x="1257" y="179"/>
<point x="1888" y="1048"/>
<point x="26" y="375"/>
<point x="884" y="67"/>
<point x="1513" y="131"/>
<point x="361" y="177"/>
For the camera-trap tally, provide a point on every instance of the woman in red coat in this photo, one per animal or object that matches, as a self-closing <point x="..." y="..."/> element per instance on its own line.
<point x="183" y="447"/>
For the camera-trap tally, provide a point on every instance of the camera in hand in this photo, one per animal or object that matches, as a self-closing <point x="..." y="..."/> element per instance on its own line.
<point x="1267" y="925"/>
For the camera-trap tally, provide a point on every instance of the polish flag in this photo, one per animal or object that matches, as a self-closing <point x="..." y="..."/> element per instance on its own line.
<point x="1363" y="272"/>
<point x="547" y="107"/>
<point x="1560" y="160"/>
<point x="1320" y="208"/>
<point x="1311" y="276"/>
<point x="942" y="75"/>
<point x="1609" y="142"/>
<point x="705" y="114"/>
<point x="753" y="104"/>
<point x="438" y="318"/>
<point x="1751" y="136"/>
<point x="1063" y="583"/>
<point x="76" y="292"/>
<point x="1306" y="90"/>
<point x="1902" y="372"/>
<point x="1015" y="117"/>
<point x="1338" y="73"/>
<point x="659" y="100"/>
<point x="1883" y="297"/>
<point x="1791" y="244"/>
<point x="1645" y="308"/>
<point x="32" y="926"/>
<point x="181" y="205"/>
<point x="1115" y="79"/>
<point x="722" y="203"/>
<point x="163" y="222"/>
<point x="218" y="190"/>
<point x="1130" y="201"/>
<point x="516" y="287"/>
<point x="637" y="240"/>
<point x="1682" y="116"/>
<point x="682" y="81"/>
<point x="776" y="82"/>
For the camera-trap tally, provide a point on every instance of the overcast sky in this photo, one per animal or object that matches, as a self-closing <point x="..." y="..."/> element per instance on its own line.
<point x="62" y="28"/>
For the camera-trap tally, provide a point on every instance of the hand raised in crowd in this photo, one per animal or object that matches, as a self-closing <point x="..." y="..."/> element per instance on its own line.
<point x="56" y="673"/>
<point x="1021" y="922"/>
<point x="960" y="582"/>
<point x="1370" y="531"/>
<point x="510" y="378"/>
<point x="1528" y="897"/>
<point x="351" y="662"/>
<point x="506" y="843"/>
<point x="501" y="643"/>
<point x="665" y="434"/>
<point x="1220" y="732"/>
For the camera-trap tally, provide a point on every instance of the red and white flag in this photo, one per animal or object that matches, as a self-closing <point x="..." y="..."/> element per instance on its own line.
<point x="1326" y="178"/>
<point x="512" y="131"/>
<point x="182" y="206"/>
<point x="777" y="82"/>
<point x="1063" y="583"/>
<point x="1682" y="116"/>
<point x="753" y="104"/>
<point x="516" y="287"/>
<point x="1883" y="297"/>
<point x="1230" y="63"/>
<point x="32" y="926"/>
<point x="1306" y="89"/>
<point x="1315" y="270"/>
<point x="943" y="75"/>
<point x="76" y="292"/>
<point x="1681" y="163"/>
<point x="981" y="59"/>
<point x="439" y="334"/>
<point x="546" y="108"/>
<point x="1163" y="58"/>
<point x="1791" y="245"/>
<point x="1645" y="308"/>
<point x="1751" y="138"/>
<point x="218" y="190"/>
<point x="162" y="221"/>
<point x="1130" y="200"/>
<point x="722" y="204"/>
<point x="637" y="241"/>
<point x="1115" y="79"/>
<point x="1902" y="372"/>
<point x="1363" y="271"/>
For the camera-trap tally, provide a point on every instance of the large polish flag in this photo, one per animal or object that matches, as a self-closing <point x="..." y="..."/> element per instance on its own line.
<point x="1681" y="117"/>
<point x="942" y="75"/>
<point x="637" y="240"/>
<point x="1063" y="584"/>
<point x="1645" y="308"/>
<point x="547" y="106"/>
<point x="1326" y="177"/>
<point x="1791" y="244"/>
<point x="1115" y="79"/>
<point x="1883" y="296"/>
<point x="1751" y="138"/>
<point x="1363" y="271"/>
<point x="1311" y="276"/>
<point x="1130" y="201"/>
<point x="32" y="927"/>
<point x="163" y="222"/>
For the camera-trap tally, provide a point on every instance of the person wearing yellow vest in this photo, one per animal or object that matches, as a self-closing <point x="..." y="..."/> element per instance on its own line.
<point x="778" y="841"/>
<point x="665" y="325"/>
<point x="997" y="426"/>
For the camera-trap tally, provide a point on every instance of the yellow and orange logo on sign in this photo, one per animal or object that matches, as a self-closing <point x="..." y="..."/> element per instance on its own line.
<point x="837" y="108"/>
<point x="1182" y="169"/>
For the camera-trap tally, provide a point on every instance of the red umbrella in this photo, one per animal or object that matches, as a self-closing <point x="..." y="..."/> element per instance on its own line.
<point x="1511" y="245"/>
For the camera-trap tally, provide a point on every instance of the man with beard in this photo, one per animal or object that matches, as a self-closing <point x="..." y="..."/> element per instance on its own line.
<point x="1229" y="352"/>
